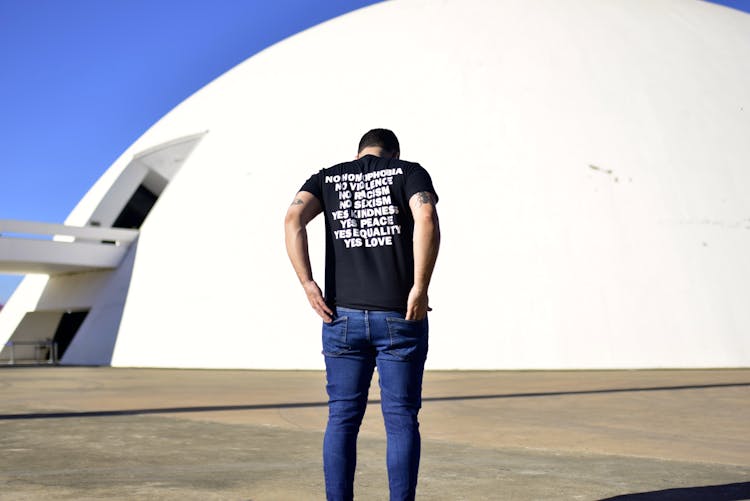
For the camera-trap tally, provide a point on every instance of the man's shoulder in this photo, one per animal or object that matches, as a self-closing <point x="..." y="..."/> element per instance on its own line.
<point x="405" y="164"/>
<point x="339" y="167"/>
<point x="410" y="168"/>
<point x="396" y="163"/>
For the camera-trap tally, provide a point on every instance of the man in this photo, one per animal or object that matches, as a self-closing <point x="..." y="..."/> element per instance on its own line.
<point x="382" y="239"/>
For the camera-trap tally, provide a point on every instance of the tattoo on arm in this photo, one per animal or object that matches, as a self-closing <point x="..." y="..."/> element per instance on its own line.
<point x="298" y="201"/>
<point x="423" y="197"/>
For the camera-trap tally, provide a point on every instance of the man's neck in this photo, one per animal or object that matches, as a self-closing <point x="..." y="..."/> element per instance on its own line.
<point x="376" y="151"/>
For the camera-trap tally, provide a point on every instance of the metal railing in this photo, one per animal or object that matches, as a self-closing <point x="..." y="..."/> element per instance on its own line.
<point x="40" y="355"/>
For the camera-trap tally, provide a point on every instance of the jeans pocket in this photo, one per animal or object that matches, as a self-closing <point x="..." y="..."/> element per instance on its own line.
<point x="334" y="337"/>
<point x="408" y="338"/>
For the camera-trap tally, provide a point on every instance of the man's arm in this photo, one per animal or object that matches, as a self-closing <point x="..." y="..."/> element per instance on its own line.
<point x="303" y="209"/>
<point x="426" y="245"/>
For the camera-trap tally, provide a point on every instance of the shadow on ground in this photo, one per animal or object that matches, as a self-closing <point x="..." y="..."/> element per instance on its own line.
<point x="726" y="492"/>
<point x="299" y="405"/>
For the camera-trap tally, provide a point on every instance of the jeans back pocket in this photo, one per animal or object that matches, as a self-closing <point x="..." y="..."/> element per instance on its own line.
<point x="334" y="337"/>
<point x="408" y="338"/>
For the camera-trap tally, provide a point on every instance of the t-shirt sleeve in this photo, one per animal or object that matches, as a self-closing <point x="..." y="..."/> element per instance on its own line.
<point x="312" y="185"/>
<point x="419" y="180"/>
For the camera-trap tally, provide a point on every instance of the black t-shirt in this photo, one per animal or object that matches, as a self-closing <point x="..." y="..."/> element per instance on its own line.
<point x="369" y="230"/>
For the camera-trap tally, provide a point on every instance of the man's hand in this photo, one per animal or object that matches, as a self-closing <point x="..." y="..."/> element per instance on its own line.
<point x="417" y="304"/>
<point x="315" y="296"/>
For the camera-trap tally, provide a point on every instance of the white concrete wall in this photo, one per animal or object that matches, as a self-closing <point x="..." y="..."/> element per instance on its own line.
<point x="94" y="342"/>
<point x="591" y="158"/>
<point x="24" y="299"/>
<point x="546" y="261"/>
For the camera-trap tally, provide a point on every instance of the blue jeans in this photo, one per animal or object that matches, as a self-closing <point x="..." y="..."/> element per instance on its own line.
<point x="353" y="344"/>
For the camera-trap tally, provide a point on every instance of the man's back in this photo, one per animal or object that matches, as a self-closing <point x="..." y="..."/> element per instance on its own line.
<point x="369" y="226"/>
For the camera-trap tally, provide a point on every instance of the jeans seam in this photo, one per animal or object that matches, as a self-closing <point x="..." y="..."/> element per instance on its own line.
<point x="346" y="332"/>
<point x="367" y="327"/>
<point x="390" y="334"/>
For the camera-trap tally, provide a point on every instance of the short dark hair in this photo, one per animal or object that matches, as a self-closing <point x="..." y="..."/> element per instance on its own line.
<point x="383" y="138"/>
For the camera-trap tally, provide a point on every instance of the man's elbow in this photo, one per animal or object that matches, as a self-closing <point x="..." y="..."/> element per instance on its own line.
<point x="292" y="222"/>
<point x="427" y="223"/>
<point x="427" y="218"/>
<point x="289" y="218"/>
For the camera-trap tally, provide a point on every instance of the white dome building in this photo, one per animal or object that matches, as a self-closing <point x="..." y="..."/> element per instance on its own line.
<point x="592" y="160"/>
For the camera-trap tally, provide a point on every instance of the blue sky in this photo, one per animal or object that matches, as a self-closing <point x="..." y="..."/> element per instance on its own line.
<point x="80" y="80"/>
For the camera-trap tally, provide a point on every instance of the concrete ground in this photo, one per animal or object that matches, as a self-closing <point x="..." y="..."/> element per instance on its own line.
<point x="103" y="433"/>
